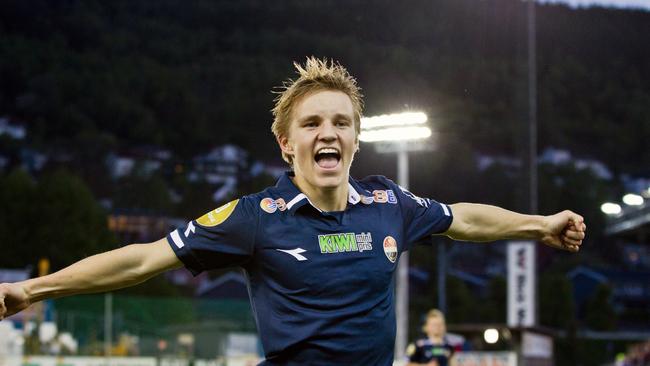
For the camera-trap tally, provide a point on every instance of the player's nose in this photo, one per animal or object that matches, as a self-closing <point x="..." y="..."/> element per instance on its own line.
<point x="327" y="131"/>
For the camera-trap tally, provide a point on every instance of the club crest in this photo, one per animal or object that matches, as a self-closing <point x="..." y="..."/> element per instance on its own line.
<point x="390" y="248"/>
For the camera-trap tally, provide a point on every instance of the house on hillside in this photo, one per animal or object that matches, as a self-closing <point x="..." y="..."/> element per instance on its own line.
<point x="143" y="160"/>
<point x="223" y="166"/>
<point x="555" y="156"/>
<point x="551" y="156"/>
<point x="630" y="290"/>
<point x="14" y="275"/>
<point x="15" y="131"/>
<point x="32" y="160"/>
<point x="140" y="226"/>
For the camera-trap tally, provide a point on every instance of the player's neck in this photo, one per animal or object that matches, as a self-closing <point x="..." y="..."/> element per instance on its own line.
<point x="325" y="199"/>
<point x="436" y="339"/>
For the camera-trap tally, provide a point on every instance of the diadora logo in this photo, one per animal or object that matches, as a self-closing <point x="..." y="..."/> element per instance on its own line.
<point x="344" y="242"/>
<point x="296" y="253"/>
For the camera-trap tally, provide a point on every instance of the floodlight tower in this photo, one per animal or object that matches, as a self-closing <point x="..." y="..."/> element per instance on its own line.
<point x="399" y="133"/>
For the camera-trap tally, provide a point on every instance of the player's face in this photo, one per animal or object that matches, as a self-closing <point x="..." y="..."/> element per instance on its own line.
<point x="322" y="139"/>
<point x="435" y="327"/>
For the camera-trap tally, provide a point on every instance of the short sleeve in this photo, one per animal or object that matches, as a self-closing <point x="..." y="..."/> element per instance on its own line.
<point x="415" y="354"/>
<point x="411" y="353"/>
<point x="423" y="217"/>
<point x="223" y="237"/>
<point x="451" y="349"/>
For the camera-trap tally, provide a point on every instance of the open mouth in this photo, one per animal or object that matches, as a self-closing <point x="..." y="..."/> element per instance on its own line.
<point x="327" y="158"/>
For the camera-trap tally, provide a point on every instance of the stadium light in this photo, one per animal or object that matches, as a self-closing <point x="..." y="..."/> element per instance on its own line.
<point x="396" y="130"/>
<point x="632" y="199"/>
<point x="395" y="134"/>
<point x="646" y="193"/>
<point x="610" y="208"/>
<point x="394" y="127"/>
<point x="401" y="119"/>
<point x="491" y="336"/>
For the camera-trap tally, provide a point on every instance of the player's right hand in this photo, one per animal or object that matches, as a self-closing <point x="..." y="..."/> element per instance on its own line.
<point x="13" y="299"/>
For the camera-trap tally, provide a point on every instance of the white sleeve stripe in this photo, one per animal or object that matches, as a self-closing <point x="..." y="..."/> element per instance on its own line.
<point x="177" y="239"/>
<point x="445" y="209"/>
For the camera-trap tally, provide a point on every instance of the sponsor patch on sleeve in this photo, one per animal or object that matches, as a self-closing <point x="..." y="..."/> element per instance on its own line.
<point x="268" y="205"/>
<point x="218" y="215"/>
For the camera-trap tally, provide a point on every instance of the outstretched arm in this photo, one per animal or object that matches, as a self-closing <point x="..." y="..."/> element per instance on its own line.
<point x="123" y="267"/>
<point x="475" y="222"/>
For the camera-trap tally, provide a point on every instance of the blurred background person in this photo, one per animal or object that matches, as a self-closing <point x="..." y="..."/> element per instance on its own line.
<point x="434" y="349"/>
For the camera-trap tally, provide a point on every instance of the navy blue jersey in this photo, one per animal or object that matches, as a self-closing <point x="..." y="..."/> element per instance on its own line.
<point x="425" y="351"/>
<point x="320" y="284"/>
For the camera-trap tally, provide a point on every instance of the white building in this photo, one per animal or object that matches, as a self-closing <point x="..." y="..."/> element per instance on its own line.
<point x="17" y="132"/>
<point x="555" y="156"/>
<point x="222" y="166"/>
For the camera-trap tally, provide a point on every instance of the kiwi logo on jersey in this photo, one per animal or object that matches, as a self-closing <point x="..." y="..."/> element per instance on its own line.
<point x="344" y="242"/>
<point x="218" y="215"/>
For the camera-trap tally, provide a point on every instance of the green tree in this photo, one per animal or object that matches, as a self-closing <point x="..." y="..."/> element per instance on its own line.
<point x="71" y="225"/>
<point x="19" y="215"/>
<point x="599" y="313"/>
<point x="197" y="200"/>
<point x="459" y="301"/>
<point x="494" y="307"/>
<point x="556" y="306"/>
<point x="144" y="193"/>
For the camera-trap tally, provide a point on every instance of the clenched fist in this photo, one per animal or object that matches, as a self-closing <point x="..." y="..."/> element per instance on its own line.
<point x="564" y="230"/>
<point x="13" y="299"/>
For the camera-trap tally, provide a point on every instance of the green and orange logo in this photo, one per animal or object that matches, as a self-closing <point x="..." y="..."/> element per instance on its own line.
<point x="344" y="242"/>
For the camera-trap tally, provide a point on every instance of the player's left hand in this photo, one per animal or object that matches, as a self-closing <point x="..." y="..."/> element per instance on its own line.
<point x="564" y="230"/>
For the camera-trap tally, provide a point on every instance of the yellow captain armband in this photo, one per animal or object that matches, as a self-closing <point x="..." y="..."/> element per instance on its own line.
<point x="218" y="215"/>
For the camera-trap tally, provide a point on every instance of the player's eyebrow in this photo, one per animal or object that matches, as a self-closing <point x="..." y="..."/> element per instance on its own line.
<point x="312" y="117"/>
<point x="317" y="117"/>
<point x="342" y="116"/>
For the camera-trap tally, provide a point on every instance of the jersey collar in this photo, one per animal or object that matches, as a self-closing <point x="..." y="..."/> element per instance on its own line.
<point x="296" y="199"/>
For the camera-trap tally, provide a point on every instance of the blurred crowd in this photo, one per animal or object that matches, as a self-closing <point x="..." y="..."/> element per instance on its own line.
<point x="637" y="355"/>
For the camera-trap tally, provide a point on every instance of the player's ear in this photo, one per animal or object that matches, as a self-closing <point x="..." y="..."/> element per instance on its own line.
<point x="285" y="145"/>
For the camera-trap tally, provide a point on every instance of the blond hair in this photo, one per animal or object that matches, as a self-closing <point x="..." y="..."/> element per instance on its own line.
<point x="435" y="313"/>
<point x="315" y="75"/>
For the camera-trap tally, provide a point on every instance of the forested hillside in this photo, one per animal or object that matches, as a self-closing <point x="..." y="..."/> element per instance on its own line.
<point x="99" y="75"/>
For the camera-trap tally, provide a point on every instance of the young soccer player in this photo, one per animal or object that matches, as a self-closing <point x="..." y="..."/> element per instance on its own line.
<point x="434" y="349"/>
<point x="319" y="248"/>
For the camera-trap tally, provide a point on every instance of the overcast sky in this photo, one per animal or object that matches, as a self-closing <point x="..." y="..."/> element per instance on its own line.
<point x="645" y="4"/>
